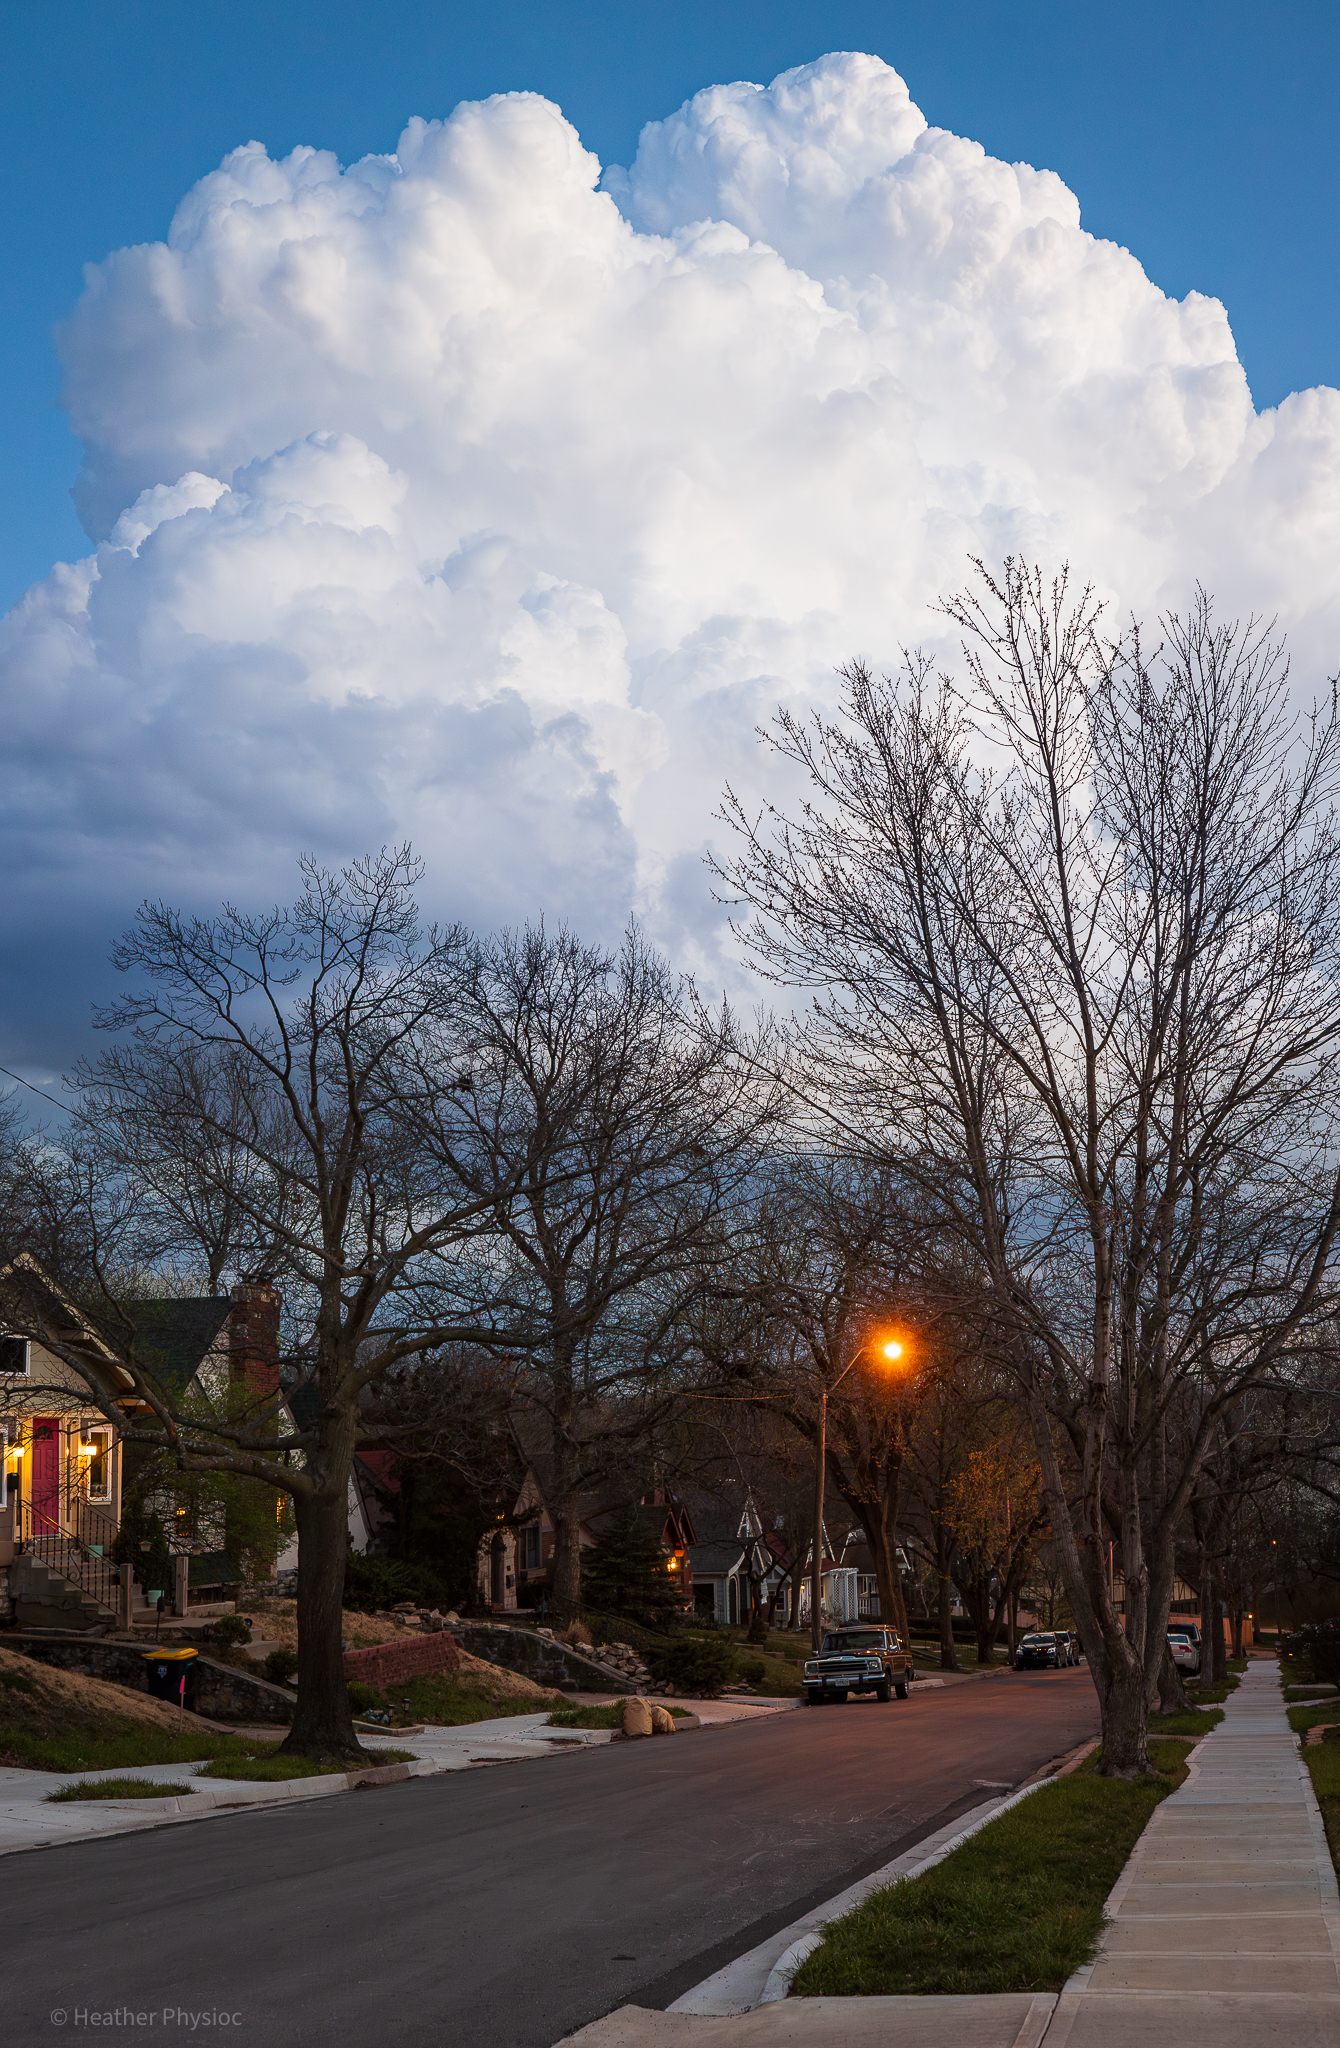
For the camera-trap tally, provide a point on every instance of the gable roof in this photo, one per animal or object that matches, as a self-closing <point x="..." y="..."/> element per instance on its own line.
<point x="174" y="1337"/>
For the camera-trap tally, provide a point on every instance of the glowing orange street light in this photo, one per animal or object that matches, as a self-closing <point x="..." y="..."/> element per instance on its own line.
<point x="891" y="1350"/>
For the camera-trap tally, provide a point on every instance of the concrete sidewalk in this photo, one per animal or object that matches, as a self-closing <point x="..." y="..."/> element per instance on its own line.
<point x="1224" y="1930"/>
<point x="1225" y="1924"/>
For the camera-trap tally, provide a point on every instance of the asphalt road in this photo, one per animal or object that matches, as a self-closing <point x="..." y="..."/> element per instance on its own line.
<point x="503" y="1908"/>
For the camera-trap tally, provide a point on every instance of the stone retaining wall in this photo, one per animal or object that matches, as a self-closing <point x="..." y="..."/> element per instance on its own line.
<point x="212" y="1689"/>
<point x="394" y="1663"/>
<point x="539" y="1658"/>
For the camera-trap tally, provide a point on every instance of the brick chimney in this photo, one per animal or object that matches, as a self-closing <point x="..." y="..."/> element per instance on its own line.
<point x="253" y="1336"/>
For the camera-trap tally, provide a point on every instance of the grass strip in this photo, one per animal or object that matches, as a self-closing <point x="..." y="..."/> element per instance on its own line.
<point x="115" y="1788"/>
<point x="1293" y="1694"/>
<point x="599" y="1717"/>
<point x="1323" y="1763"/>
<point x="264" y="1768"/>
<point x="1017" y="1908"/>
<point x="1195" y="1721"/>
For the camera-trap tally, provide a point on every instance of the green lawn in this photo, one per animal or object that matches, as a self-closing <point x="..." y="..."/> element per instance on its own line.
<point x="1017" y="1908"/>
<point x="117" y="1749"/>
<point x="115" y="1788"/>
<point x="443" y="1701"/>
<point x="1302" y="1718"/>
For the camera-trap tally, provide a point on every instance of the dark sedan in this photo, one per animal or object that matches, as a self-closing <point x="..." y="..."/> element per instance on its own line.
<point x="1041" y="1653"/>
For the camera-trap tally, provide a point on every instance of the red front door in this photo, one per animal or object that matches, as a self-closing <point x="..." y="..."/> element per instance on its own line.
<point x="44" y="1494"/>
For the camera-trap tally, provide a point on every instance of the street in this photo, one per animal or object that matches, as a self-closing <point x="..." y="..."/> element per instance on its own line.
<point x="503" y="1908"/>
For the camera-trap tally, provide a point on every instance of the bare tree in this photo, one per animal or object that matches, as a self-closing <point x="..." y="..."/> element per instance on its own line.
<point x="612" y="1128"/>
<point x="1073" y="926"/>
<point x="286" y="1092"/>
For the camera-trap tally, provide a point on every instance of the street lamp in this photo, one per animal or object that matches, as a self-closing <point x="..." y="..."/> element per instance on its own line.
<point x="891" y="1350"/>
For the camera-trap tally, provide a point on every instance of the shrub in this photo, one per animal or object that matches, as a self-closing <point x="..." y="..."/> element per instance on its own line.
<point x="280" y="1666"/>
<point x="1319" y="1642"/>
<point x="230" y="1629"/>
<point x="693" y="1666"/>
<point x="753" y="1670"/>
<point x="372" y="1584"/>
<point x="577" y="1636"/>
<point x="362" y="1698"/>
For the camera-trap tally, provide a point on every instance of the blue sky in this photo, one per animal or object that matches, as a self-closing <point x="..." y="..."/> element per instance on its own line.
<point x="1200" y="136"/>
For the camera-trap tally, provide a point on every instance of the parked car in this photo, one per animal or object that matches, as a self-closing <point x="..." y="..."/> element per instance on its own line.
<point x="1043" y="1651"/>
<point x="861" y="1659"/>
<point x="1185" y="1653"/>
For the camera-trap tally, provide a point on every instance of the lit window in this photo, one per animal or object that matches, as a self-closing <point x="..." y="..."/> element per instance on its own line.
<point x="95" y="1455"/>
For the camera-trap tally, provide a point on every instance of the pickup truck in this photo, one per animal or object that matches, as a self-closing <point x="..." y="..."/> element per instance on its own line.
<point x="861" y="1659"/>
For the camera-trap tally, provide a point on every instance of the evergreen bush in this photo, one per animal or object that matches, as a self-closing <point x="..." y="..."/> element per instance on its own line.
<point x="372" y="1584"/>
<point x="626" y="1572"/>
<point x="691" y="1665"/>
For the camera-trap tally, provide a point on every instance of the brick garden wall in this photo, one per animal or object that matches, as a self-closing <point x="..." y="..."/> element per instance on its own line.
<point x="392" y="1663"/>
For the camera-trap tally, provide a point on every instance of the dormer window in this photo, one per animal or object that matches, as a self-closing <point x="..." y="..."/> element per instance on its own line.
<point x="14" y="1357"/>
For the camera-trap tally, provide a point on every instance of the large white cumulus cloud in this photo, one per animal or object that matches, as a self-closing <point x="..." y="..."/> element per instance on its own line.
<point x="471" y="495"/>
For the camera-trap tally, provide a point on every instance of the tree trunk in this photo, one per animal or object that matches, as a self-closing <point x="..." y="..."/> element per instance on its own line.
<point x="948" y="1654"/>
<point x="758" y="1615"/>
<point x="1171" y="1691"/>
<point x="323" y="1725"/>
<point x="1209" y="1621"/>
<point x="1219" y="1661"/>
<point x="1235" y="1615"/>
<point x="567" y="1514"/>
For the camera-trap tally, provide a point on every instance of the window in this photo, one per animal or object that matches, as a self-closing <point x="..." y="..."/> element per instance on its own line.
<point x="14" y="1355"/>
<point x="530" y="1550"/>
<point x="95" y="1455"/>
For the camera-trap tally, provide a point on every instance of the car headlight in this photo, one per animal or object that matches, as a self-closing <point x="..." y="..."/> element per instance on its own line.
<point x="811" y="1671"/>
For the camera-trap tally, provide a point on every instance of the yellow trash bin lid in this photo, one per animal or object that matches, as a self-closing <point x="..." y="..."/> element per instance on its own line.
<point x="168" y="1656"/>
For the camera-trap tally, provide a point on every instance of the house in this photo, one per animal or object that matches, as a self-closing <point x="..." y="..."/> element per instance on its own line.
<point x="516" y="1563"/>
<point x="65" y="1468"/>
<point x="734" y="1551"/>
<point x="848" y="1581"/>
<point x="60" y="1459"/>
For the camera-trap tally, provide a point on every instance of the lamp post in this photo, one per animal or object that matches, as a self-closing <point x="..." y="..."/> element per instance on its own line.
<point x="893" y="1351"/>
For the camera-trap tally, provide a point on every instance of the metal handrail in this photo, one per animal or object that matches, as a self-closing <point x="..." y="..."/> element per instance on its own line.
<point x="80" y="1549"/>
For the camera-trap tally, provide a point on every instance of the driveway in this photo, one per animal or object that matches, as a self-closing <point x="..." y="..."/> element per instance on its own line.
<point x="504" y="1908"/>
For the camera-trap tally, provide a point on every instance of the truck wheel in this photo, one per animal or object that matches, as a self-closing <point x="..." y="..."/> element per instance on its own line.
<point x="903" y="1688"/>
<point x="814" y="1699"/>
<point x="840" y="1697"/>
<point x="884" y="1693"/>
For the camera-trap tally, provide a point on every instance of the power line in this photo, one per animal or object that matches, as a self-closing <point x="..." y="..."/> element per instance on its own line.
<point x="35" y="1089"/>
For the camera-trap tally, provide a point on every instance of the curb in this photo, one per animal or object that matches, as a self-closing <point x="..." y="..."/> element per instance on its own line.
<point x="789" y="1961"/>
<point x="205" y="1800"/>
<point x="808" y="1932"/>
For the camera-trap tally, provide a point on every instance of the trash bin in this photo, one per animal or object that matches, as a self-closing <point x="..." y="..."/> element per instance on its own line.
<point x="168" y="1670"/>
